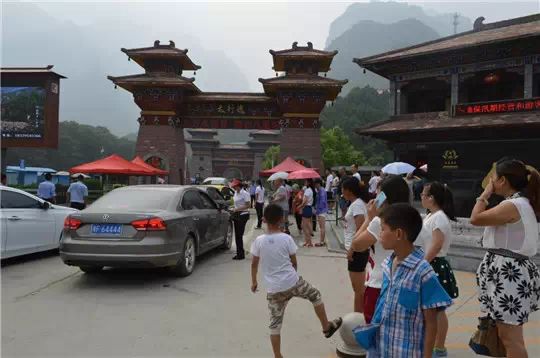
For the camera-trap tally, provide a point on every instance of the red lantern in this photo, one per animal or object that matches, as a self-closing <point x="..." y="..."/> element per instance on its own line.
<point x="491" y="78"/>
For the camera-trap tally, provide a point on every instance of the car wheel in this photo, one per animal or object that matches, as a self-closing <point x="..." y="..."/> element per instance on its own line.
<point x="185" y="266"/>
<point x="227" y="243"/>
<point x="91" y="269"/>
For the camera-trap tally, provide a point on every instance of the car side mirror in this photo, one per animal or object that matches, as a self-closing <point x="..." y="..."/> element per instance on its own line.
<point x="45" y="205"/>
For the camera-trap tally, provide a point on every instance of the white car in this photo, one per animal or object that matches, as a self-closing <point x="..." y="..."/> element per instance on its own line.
<point x="29" y="224"/>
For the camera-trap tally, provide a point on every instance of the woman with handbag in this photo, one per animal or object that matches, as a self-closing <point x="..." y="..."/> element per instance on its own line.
<point x="240" y="216"/>
<point x="509" y="281"/>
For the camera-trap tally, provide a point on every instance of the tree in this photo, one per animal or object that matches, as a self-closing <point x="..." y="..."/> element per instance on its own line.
<point x="337" y="149"/>
<point x="271" y="157"/>
<point x="361" y="107"/>
<point x="77" y="144"/>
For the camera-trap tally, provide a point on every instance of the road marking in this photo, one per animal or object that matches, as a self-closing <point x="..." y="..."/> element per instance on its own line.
<point x="35" y="292"/>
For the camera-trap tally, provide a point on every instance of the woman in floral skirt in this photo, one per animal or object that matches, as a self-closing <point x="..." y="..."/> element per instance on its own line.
<point x="508" y="280"/>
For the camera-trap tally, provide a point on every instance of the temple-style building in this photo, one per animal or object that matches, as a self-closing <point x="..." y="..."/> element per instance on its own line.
<point x="170" y="102"/>
<point x="462" y="102"/>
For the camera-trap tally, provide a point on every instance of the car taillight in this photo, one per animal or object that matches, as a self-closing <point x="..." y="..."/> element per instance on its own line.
<point x="72" y="223"/>
<point x="152" y="224"/>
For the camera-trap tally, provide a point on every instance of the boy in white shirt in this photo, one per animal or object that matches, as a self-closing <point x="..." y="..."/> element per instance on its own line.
<point x="276" y="251"/>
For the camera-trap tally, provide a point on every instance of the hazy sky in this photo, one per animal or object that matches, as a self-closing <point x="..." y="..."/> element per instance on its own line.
<point x="245" y="31"/>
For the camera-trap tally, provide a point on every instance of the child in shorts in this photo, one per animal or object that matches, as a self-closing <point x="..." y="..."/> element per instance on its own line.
<point x="405" y="320"/>
<point x="276" y="252"/>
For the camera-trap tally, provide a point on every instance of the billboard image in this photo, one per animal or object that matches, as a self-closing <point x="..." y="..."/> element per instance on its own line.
<point x="22" y="112"/>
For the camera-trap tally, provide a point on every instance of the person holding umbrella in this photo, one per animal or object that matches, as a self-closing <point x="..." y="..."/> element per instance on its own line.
<point x="242" y="202"/>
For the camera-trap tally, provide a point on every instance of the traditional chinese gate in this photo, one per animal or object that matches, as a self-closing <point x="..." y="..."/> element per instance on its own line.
<point x="169" y="102"/>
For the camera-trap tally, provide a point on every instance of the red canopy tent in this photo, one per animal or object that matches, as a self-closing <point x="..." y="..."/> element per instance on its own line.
<point x="288" y="165"/>
<point x="113" y="164"/>
<point x="140" y="162"/>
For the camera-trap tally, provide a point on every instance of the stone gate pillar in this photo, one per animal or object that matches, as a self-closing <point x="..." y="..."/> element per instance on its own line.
<point x="302" y="144"/>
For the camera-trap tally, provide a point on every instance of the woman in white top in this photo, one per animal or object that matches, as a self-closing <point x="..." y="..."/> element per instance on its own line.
<point x="438" y="200"/>
<point x="307" y="212"/>
<point x="509" y="281"/>
<point x="242" y="202"/>
<point x="353" y="220"/>
<point x="369" y="234"/>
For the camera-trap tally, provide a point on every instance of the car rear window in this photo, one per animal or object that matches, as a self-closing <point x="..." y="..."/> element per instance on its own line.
<point x="135" y="200"/>
<point x="214" y="182"/>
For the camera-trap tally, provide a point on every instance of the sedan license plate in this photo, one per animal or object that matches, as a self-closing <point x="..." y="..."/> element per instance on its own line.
<point x="107" y="229"/>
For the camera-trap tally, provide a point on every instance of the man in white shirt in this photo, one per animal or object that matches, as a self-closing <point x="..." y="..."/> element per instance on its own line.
<point x="355" y="172"/>
<point x="77" y="194"/>
<point x="47" y="190"/>
<point x="328" y="188"/>
<point x="373" y="183"/>
<point x="281" y="198"/>
<point x="259" y="202"/>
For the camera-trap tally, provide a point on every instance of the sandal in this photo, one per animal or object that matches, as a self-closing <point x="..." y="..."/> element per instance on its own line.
<point x="334" y="326"/>
<point x="320" y="244"/>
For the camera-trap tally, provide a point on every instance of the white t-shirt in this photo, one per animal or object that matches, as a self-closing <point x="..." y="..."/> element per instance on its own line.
<point x="380" y="254"/>
<point x="329" y="180"/>
<point x="241" y="199"/>
<point x="274" y="251"/>
<point x="357" y="176"/>
<point x="308" y="194"/>
<point x="335" y="182"/>
<point x="259" y="194"/>
<point x="520" y="237"/>
<point x="356" y="208"/>
<point x="373" y="182"/>
<point x="437" y="220"/>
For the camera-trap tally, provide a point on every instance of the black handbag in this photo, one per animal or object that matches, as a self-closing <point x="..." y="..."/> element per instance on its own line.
<point x="485" y="341"/>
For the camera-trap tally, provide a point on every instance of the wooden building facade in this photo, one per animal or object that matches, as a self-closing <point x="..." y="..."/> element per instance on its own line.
<point x="462" y="102"/>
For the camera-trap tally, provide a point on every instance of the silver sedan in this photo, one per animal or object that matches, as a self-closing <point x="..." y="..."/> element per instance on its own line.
<point x="146" y="226"/>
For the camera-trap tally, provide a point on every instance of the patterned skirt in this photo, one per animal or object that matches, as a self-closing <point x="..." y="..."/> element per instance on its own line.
<point x="446" y="277"/>
<point x="508" y="288"/>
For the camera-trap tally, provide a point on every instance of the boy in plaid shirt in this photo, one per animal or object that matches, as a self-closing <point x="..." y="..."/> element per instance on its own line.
<point x="405" y="320"/>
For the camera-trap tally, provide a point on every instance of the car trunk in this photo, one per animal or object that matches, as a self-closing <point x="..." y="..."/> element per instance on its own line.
<point x="110" y="226"/>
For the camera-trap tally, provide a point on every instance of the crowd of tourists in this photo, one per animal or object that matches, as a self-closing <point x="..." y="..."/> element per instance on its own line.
<point x="397" y="260"/>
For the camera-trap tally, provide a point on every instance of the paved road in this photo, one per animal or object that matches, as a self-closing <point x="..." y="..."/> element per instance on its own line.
<point x="49" y="309"/>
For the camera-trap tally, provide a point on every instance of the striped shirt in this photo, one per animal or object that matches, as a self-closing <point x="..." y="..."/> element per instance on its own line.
<point x="414" y="287"/>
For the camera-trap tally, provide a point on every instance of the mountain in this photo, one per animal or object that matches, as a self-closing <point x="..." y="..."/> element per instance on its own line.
<point x="87" y="54"/>
<point x="391" y="12"/>
<point x="368" y="38"/>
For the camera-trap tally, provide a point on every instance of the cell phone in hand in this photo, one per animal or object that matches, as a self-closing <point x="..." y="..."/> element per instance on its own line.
<point x="380" y="199"/>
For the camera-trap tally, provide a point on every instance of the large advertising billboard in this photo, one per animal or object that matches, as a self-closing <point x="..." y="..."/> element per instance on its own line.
<point x="23" y="112"/>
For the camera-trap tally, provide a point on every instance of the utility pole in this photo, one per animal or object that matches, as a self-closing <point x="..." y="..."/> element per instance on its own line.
<point x="456" y="22"/>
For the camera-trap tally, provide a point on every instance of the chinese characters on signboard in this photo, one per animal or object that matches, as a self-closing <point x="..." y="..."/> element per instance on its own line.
<point x="524" y="105"/>
<point x="230" y="109"/>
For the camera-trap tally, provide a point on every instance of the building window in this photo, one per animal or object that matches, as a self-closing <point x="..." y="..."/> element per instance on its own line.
<point x="495" y="85"/>
<point x="536" y="81"/>
<point x="425" y="95"/>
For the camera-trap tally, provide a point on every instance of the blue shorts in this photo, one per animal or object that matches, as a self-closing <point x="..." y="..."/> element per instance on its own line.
<point x="307" y="212"/>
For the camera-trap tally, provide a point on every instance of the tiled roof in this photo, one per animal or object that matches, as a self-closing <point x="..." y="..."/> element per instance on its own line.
<point x="47" y="69"/>
<point x="302" y="53"/>
<point x="132" y="81"/>
<point x="161" y="51"/>
<point x="421" y="122"/>
<point x="484" y="34"/>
